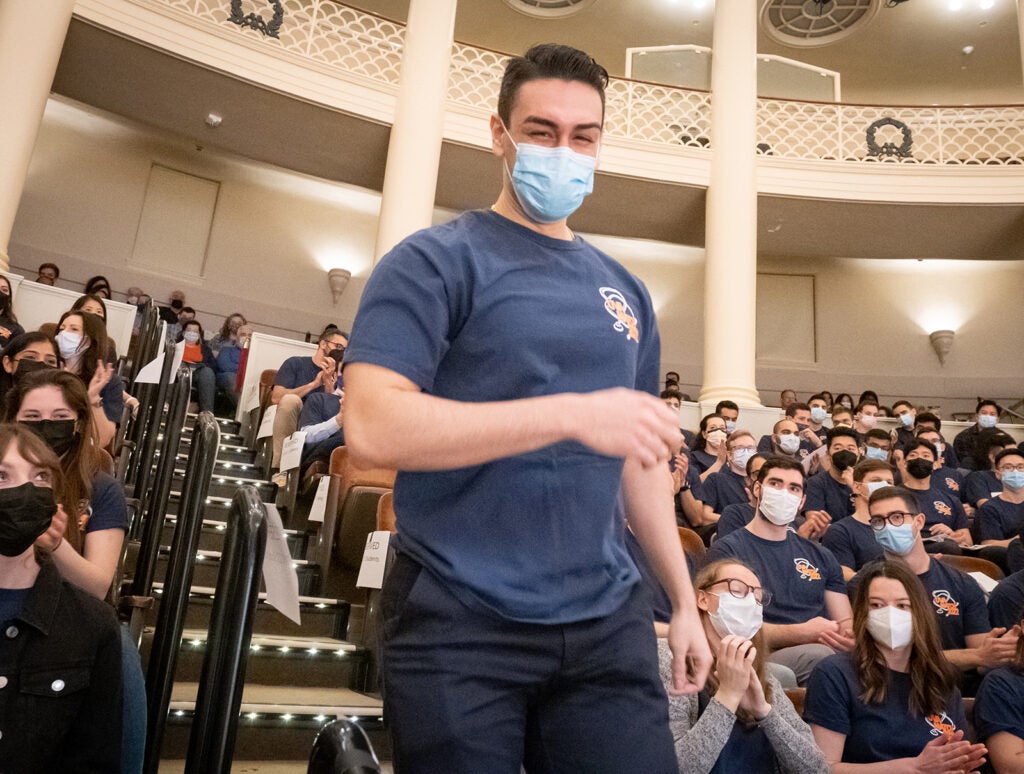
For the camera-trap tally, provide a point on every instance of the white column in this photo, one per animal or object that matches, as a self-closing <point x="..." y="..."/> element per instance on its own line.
<point x="414" y="150"/>
<point x="1020" y="28"/>
<point x="730" y="273"/>
<point x="31" y="37"/>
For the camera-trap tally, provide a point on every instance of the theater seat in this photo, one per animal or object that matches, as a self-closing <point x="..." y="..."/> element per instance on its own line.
<point x="797" y="696"/>
<point x="973" y="564"/>
<point x="386" y="518"/>
<point x="692" y="543"/>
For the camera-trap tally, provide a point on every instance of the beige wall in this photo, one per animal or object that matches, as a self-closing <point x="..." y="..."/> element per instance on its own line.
<point x="274" y="235"/>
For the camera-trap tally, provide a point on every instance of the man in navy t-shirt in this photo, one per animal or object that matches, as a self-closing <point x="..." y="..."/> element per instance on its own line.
<point x="809" y="616"/>
<point x="509" y="371"/>
<point x="999" y="520"/>
<point x="829" y="496"/>
<point x="944" y="514"/>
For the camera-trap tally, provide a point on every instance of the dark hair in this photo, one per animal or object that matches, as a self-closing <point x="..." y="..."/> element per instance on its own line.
<point x="988" y="439"/>
<point x="1008" y="453"/>
<point x="55" y="267"/>
<point x="864" y="467"/>
<point x="868" y="395"/>
<point x="780" y="463"/>
<point x="921" y="443"/>
<point x="332" y="330"/>
<point x="549" y="60"/>
<point x="670" y="393"/>
<point x="98" y="282"/>
<point x="986" y="402"/>
<point x="839" y="408"/>
<point x="901" y="492"/>
<point x="186" y="310"/>
<point x="902" y="402"/>
<point x="670" y="374"/>
<point x="700" y="442"/>
<point x="93" y="327"/>
<point x="81" y="300"/>
<point x="202" y="333"/>
<point x="840" y="432"/>
<point x="863" y="403"/>
<point x="928" y="418"/>
<point x="15" y="346"/>
<point x="840" y="396"/>
<point x="34" y="449"/>
<point x="7" y="301"/>
<point x="726" y="404"/>
<point x="932" y="677"/>
<point x="225" y="331"/>
<point x="879" y="433"/>
<point x="819" y="396"/>
<point x="753" y="457"/>
<point x="827" y="396"/>
<point x="792" y="408"/>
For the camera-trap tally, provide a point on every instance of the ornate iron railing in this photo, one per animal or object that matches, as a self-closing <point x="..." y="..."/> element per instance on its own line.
<point x="357" y="43"/>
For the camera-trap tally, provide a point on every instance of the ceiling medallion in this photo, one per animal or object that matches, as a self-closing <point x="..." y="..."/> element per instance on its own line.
<point x="809" y="23"/>
<point x="549" y="9"/>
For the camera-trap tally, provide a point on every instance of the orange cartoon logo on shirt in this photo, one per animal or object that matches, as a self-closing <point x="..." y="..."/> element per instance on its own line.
<point x="952" y="485"/>
<point x="940" y="724"/>
<point x="807" y="570"/>
<point x="945" y="604"/>
<point x="943" y="508"/>
<point x="616" y="305"/>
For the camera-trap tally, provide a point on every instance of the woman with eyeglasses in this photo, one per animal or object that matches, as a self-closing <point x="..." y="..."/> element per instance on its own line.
<point x="742" y="720"/>
<point x="892" y="703"/>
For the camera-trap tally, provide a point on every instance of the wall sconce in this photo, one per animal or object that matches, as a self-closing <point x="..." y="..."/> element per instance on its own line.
<point x="942" y="343"/>
<point x="338" y="279"/>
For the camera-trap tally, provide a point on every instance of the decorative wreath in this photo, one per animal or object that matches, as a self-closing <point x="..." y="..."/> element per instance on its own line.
<point x="257" y="22"/>
<point x="890" y="148"/>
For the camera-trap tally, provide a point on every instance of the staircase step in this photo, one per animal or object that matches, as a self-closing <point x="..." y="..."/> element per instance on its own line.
<point x="211" y="538"/>
<point x="207" y="570"/>
<point x="243" y="456"/>
<point x="223" y="487"/>
<point x="226" y="425"/>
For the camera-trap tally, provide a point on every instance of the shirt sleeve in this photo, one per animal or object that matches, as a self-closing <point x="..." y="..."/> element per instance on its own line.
<point x="827" y="703"/>
<point x="1005" y="604"/>
<point x="989" y="525"/>
<point x="959" y="514"/>
<point x="975" y="608"/>
<point x="108" y="509"/>
<point x="998" y="707"/>
<point x="838" y="542"/>
<point x="835" y="580"/>
<point x="286" y="375"/>
<point x="814" y="496"/>
<point x="112" y="398"/>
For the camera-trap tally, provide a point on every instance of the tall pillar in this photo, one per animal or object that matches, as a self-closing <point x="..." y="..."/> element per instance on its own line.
<point x="730" y="272"/>
<point x="1020" y="29"/>
<point x="31" y="37"/>
<point x="414" y="151"/>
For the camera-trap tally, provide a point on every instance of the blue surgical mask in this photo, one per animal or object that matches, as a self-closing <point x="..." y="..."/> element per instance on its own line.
<point x="191" y="336"/>
<point x="907" y="419"/>
<point x="68" y="342"/>
<point x="897" y="540"/>
<point x="986" y="421"/>
<point x="871" y="453"/>
<point x="730" y="426"/>
<point x="551" y="183"/>
<point x="874" y="486"/>
<point x="1013" y="479"/>
<point x="741" y="457"/>
<point x="818" y="414"/>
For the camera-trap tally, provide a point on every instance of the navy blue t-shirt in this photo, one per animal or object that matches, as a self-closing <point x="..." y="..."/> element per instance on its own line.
<point x="999" y="705"/>
<point x="297" y="371"/>
<point x="939" y="506"/>
<point x="981" y="485"/>
<point x="724" y="488"/>
<point x="874" y="732"/>
<point x="734" y="517"/>
<point x="747" y="749"/>
<point x="1006" y="602"/>
<point x="107" y="505"/>
<point x="852" y="542"/>
<point x="701" y="460"/>
<point x="824" y="493"/>
<point x="796" y="571"/>
<point x="998" y="519"/>
<point x="11" y="603"/>
<point x="483" y="309"/>
<point x="318" y="407"/>
<point x="951" y="479"/>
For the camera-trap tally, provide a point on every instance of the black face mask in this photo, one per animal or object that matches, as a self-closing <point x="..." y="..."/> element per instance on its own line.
<point x="59" y="434"/>
<point x="25" y="514"/>
<point x="26" y="367"/>
<point x="842" y="460"/>
<point x="919" y="468"/>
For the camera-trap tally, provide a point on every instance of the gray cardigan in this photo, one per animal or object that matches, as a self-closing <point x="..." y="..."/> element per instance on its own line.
<point x="699" y="741"/>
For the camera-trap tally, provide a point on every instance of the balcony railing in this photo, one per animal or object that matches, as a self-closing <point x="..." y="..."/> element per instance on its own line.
<point x="356" y="43"/>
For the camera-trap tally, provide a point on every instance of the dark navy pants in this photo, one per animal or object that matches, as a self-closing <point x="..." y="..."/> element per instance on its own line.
<point x="469" y="691"/>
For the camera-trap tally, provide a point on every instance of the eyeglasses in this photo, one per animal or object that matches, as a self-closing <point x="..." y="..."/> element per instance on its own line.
<point x="1007" y="468"/>
<point x="896" y="518"/>
<point x="739" y="589"/>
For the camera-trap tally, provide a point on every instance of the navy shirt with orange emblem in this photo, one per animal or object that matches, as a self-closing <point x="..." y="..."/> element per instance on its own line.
<point x="875" y="732"/>
<point x="483" y="309"/>
<point x="796" y="571"/>
<point x="940" y="506"/>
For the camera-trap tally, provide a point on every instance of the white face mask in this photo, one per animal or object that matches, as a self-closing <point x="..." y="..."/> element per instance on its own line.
<point x="779" y="506"/>
<point x="789" y="443"/>
<point x="715" y="437"/>
<point x="730" y="426"/>
<point x="739" y="617"/>
<point x="891" y="626"/>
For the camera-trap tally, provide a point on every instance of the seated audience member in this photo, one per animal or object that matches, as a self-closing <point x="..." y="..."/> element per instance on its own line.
<point x="322" y="420"/>
<point x="674" y="400"/>
<point x="742" y="720"/>
<point x="943" y="474"/>
<point x="97" y="286"/>
<point x="999" y="712"/>
<point x="23" y="355"/>
<point x="739" y="515"/>
<point x="47" y="274"/>
<point x="944" y="515"/>
<point x="926" y="420"/>
<point x="200" y="360"/>
<point x="671" y="380"/>
<point x="905" y="412"/>
<point x="229" y="362"/>
<point x="169" y="313"/>
<point x="869" y="395"/>
<point x="893" y="699"/>
<point x="687" y="493"/>
<point x="1006" y="601"/>
<point x="1000" y="519"/>
<point x="9" y="326"/>
<point x="956" y="599"/>
<point x="139" y="298"/>
<point x="809" y="437"/>
<point x="982" y="483"/>
<point x="829" y="492"/>
<point x="58" y="637"/>
<point x="93" y="304"/>
<point x="708" y="452"/>
<point x="884" y="411"/>
<point x="817" y="412"/>
<point x="299" y="377"/>
<point x="730" y="412"/>
<point x="228" y="333"/>
<point x="845" y="400"/>
<point x="786" y="397"/>
<point x="809" y="616"/>
<point x="784" y="441"/>
<point x="727" y="486"/>
<point x="829" y="400"/>
<point x="965" y="443"/>
<point x="841" y="417"/>
<point x="877" y="445"/>
<point x="865" y="418"/>
<point x="852" y="541"/>
<point x="82" y="339"/>
<point x="185" y="316"/>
